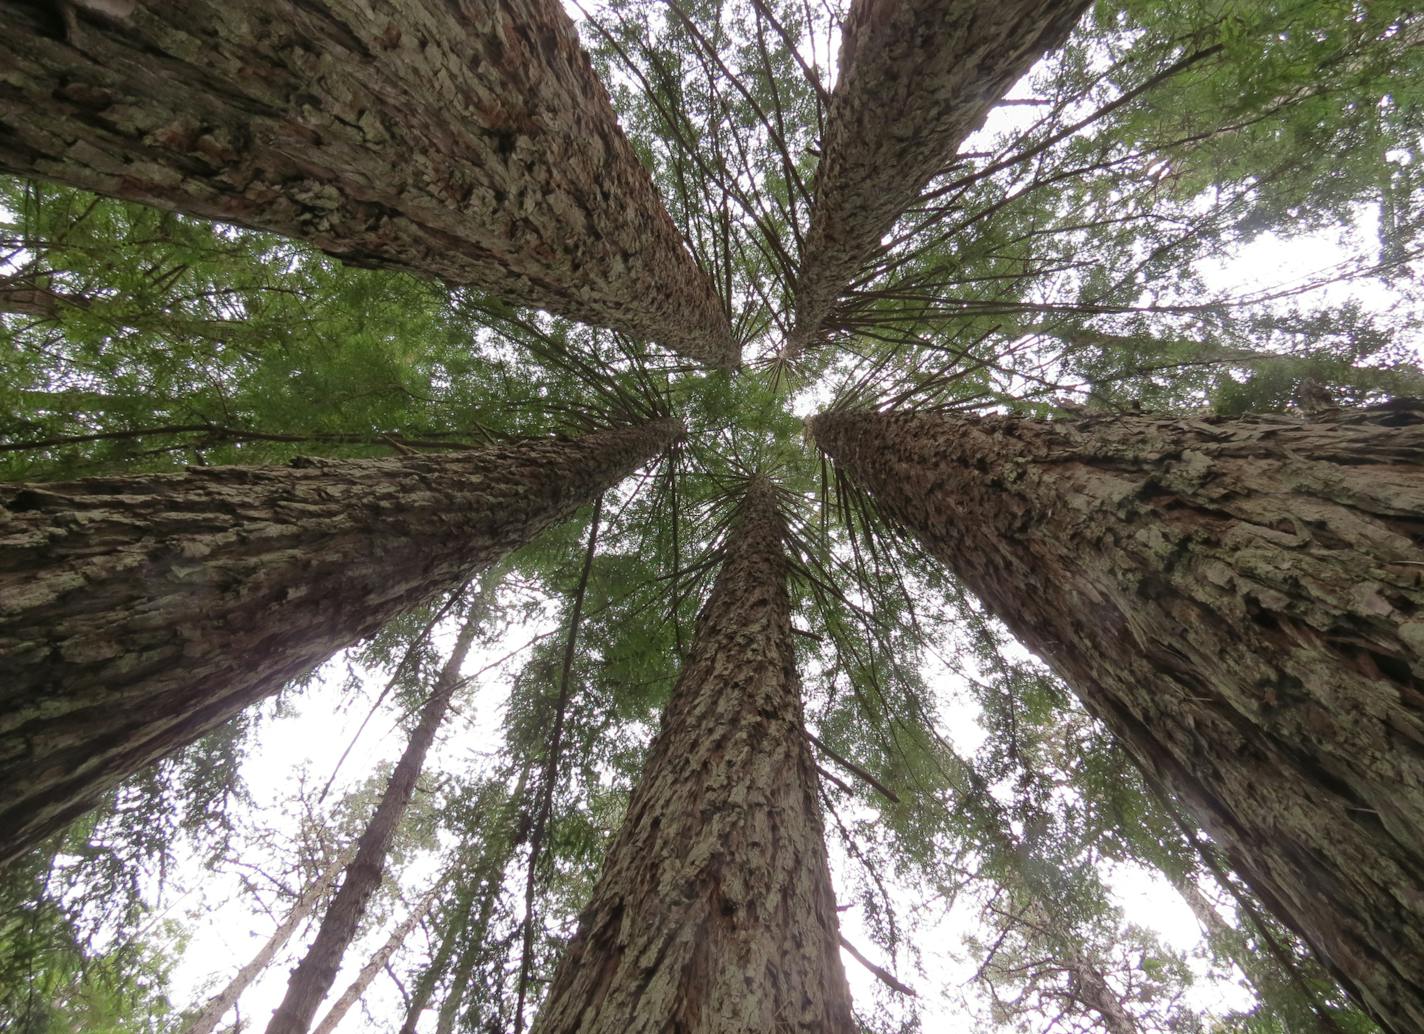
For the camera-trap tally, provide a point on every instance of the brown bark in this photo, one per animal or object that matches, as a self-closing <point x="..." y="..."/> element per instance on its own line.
<point x="313" y="976"/>
<point x="916" y="78"/>
<point x="470" y="142"/>
<point x="219" y="1004"/>
<point x="373" y="965"/>
<point x="1240" y="601"/>
<point x="137" y="613"/>
<point x="714" y="913"/>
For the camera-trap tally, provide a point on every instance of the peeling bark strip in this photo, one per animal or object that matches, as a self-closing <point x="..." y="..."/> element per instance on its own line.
<point x="470" y="142"/>
<point x="1242" y="602"/>
<point x="137" y="613"/>
<point x="916" y="78"/>
<point x="714" y="913"/>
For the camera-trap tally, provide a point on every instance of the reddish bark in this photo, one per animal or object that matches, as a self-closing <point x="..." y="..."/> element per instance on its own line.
<point x="1240" y="601"/>
<point x="715" y="911"/>
<point x="916" y="78"/>
<point x="470" y="142"/>
<point x="137" y="613"/>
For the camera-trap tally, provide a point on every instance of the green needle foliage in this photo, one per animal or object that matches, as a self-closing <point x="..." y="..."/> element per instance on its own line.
<point x="979" y="820"/>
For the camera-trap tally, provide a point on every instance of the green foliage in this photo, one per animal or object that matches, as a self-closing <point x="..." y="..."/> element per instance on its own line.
<point x="1066" y="257"/>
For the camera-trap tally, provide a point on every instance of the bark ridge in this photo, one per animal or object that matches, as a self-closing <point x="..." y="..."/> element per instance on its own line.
<point x="1242" y="602"/>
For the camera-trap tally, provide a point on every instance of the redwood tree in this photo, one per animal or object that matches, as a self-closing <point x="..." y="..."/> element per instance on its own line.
<point x="1239" y="600"/>
<point x="137" y="613"/>
<point x="469" y="142"/>
<point x="715" y="911"/>
<point x="915" y="78"/>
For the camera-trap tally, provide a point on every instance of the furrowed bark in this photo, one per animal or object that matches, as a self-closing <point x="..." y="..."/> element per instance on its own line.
<point x="313" y="976"/>
<point x="714" y="913"/>
<point x="373" y="965"/>
<point x="137" y="613"/>
<point x="470" y="142"/>
<point x="217" y="1006"/>
<point x="916" y="78"/>
<point x="1242" y="602"/>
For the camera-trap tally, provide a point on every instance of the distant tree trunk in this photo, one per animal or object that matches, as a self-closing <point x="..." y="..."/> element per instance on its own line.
<point x="715" y="911"/>
<point x="452" y="925"/>
<point x="217" y="1006"/>
<point x="137" y="613"/>
<point x="475" y="937"/>
<point x="373" y="965"/>
<point x="499" y="830"/>
<point x="1240" y="601"/>
<point x="916" y="77"/>
<point x="469" y="142"/>
<point x="313" y="976"/>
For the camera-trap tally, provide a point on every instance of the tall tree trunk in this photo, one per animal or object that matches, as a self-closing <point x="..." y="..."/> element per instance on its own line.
<point x="1240" y="601"/>
<point x="313" y="976"/>
<point x="470" y="142"/>
<point x="373" y="965"/>
<point x="217" y="1006"/>
<point x="715" y="912"/>
<point x="137" y="613"/>
<point x="916" y="78"/>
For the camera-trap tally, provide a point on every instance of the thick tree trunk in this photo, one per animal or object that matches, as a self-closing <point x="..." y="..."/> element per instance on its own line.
<point x="137" y="613"/>
<point x="313" y="976"/>
<point x="1240" y="601"/>
<point x="715" y="913"/>
<point x="916" y="78"/>
<point x="217" y="1006"/>
<point x="466" y="141"/>
<point x="373" y="965"/>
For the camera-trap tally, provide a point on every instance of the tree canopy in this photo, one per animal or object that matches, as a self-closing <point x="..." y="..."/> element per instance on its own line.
<point x="1191" y="206"/>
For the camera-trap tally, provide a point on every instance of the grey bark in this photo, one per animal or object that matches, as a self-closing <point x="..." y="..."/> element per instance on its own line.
<point x="714" y="913"/>
<point x="216" y="1007"/>
<point x="312" y="978"/>
<point x="137" y="613"/>
<point x="373" y="965"/>
<point x="466" y="141"/>
<point x="1242" y="603"/>
<point x="916" y="78"/>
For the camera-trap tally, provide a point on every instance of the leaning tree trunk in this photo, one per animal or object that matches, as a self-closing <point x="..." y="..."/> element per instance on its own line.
<point x="1242" y="602"/>
<point x="715" y="912"/>
<point x="313" y="976"/>
<point x="137" y="613"/>
<point x="373" y="965"/>
<point x="916" y="78"/>
<point x="466" y="141"/>
<point x="217" y="1006"/>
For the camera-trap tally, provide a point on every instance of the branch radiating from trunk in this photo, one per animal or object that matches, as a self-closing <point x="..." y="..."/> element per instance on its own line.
<point x="715" y="912"/>
<point x="137" y="613"/>
<point x="1240" y="601"/>
<point x="312" y="978"/>
<point x="218" y="1005"/>
<point x="916" y="78"/>
<point x="468" y="142"/>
